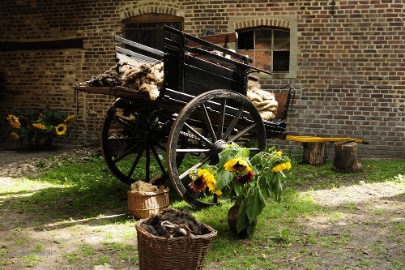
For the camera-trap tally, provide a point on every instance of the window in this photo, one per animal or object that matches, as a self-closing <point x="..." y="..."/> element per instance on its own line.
<point x="268" y="47"/>
<point x="147" y="29"/>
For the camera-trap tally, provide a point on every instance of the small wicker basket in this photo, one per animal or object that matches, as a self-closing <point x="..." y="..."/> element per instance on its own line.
<point x="169" y="253"/>
<point x="144" y="204"/>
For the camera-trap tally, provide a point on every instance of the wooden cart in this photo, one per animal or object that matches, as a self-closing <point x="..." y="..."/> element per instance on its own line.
<point x="201" y="108"/>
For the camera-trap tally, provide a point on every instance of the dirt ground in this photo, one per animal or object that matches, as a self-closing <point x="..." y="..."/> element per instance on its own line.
<point x="366" y="232"/>
<point x="14" y="156"/>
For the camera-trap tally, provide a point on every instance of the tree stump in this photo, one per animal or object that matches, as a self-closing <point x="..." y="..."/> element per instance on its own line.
<point x="345" y="159"/>
<point x="314" y="153"/>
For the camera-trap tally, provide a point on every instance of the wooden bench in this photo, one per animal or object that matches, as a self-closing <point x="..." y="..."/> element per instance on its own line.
<point x="315" y="152"/>
<point x="345" y="159"/>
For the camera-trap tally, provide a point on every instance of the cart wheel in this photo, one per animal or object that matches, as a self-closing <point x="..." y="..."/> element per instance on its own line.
<point x="209" y="122"/>
<point x="135" y="136"/>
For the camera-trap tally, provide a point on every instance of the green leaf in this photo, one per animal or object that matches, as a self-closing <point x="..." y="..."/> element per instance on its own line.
<point x="223" y="179"/>
<point x="257" y="161"/>
<point x="242" y="218"/>
<point x="245" y="152"/>
<point x="251" y="228"/>
<point x="279" y="190"/>
<point x="238" y="188"/>
<point x="254" y="206"/>
<point x="263" y="195"/>
<point x="50" y="128"/>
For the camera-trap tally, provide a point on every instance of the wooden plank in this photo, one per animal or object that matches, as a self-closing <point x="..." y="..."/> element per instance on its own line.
<point x="134" y="58"/>
<point x="42" y="45"/>
<point x="140" y="46"/>
<point x="282" y="101"/>
<point x="210" y="45"/>
<point x="216" y="39"/>
<point x="323" y="139"/>
<point x="116" y="91"/>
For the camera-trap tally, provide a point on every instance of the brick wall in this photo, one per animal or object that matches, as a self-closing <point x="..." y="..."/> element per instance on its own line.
<point x="350" y="66"/>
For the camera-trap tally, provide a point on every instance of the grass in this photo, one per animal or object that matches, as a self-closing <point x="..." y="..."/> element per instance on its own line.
<point x="82" y="199"/>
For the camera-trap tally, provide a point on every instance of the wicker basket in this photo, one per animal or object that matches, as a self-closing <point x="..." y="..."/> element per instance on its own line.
<point x="145" y="204"/>
<point x="169" y="253"/>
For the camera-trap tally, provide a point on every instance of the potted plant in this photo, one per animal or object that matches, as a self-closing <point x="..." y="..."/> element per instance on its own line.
<point x="249" y="181"/>
<point x="39" y="128"/>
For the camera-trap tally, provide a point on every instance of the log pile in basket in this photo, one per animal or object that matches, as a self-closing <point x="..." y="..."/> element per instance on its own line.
<point x="145" y="199"/>
<point x="173" y="240"/>
<point x="148" y="78"/>
<point x="171" y="223"/>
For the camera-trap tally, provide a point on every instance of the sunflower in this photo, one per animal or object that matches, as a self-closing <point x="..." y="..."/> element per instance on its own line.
<point x="208" y="178"/>
<point x="61" y="129"/>
<point x="69" y="119"/>
<point x="204" y="179"/>
<point x="278" y="154"/>
<point x="218" y="192"/>
<point x="39" y="126"/>
<point x="237" y="165"/>
<point x="282" y="166"/>
<point x="14" y="121"/>
<point x="197" y="185"/>
<point x="245" y="178"/>
<point x="14" y="135"/>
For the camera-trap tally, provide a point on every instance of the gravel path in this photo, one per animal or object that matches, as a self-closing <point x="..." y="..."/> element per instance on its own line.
<point x="19" y="160"/>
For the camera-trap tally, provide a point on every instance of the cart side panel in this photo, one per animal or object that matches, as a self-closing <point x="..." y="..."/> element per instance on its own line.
<point x="195" y="70"/>
<point x="171" y="70"/>
<point x="201" y="76"/>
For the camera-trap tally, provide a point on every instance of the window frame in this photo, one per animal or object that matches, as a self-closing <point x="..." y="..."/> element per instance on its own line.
<point x="151" y="18"/>
<point x="255" y="50"/>
<point x="250" y="21"/>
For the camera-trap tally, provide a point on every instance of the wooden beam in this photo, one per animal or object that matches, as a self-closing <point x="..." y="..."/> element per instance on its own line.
<point x="216" y="39"/>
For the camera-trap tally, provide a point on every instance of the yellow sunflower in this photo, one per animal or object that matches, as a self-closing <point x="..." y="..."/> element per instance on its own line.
<point x="61" y="129"/>
<point x="278" y="154"/>
<point x="237" y="165"/>
<point x="39" y="126"/>
<point x="208" y="178"/>
<point x="204" y="179"/>
<point x="282" y="167"/>
<point x="218" y="192"/>
<point x="14" y="121"/>
<point x="69" y="119"/>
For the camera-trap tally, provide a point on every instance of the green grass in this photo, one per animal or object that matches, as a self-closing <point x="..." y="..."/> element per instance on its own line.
<point x="276" y="229"/>
<point x="83" y="196"/>
<point x="307" y="177"/>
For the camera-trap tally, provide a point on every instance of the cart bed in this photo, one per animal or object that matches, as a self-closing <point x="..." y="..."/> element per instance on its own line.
<point x="193" y="66"/>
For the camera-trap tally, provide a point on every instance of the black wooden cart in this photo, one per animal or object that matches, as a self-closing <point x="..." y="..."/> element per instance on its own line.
<point x="201" y="108"/>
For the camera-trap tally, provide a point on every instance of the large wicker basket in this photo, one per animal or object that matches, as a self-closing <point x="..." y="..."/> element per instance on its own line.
<point x="145" y="204"/>
<point x="169" y="253"/>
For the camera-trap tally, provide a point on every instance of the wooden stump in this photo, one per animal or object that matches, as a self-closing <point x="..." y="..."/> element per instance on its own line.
<point x="345" y="159"/>
<point x="314" y="153"/>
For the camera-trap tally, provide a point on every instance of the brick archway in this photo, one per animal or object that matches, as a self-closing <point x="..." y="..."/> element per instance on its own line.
<point x="151" y="7"/>
<point x="262" y="21"/>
